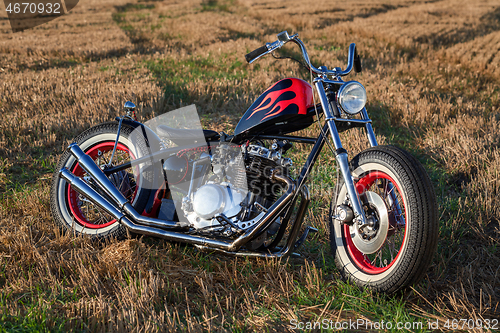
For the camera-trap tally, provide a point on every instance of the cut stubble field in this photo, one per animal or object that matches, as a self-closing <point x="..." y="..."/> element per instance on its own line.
<point x="432" y="73"/>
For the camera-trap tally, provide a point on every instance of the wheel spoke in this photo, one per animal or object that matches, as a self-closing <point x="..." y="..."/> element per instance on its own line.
<point x="391" y="248"/>
<point x="392" y="189"/>
<point x="102" y="218"/>
<point x="374" y="261"/>
<point x="385" y="189"/>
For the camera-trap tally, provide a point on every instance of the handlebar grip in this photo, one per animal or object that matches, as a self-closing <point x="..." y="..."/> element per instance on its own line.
<point x="256" y="53"/>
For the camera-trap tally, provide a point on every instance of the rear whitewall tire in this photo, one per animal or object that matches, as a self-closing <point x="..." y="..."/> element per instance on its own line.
<point x="61" y="212"/>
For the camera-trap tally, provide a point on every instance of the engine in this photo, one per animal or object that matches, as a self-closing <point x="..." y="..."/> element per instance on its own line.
<point x="260" y="164"/>
<point x="238" y="190"/>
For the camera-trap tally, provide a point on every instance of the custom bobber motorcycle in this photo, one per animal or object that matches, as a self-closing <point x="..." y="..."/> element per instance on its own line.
<point x="234" y="194"/>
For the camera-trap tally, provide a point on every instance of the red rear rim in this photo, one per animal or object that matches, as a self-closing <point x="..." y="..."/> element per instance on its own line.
<point x="79" y="209"/>
<point x="388" y="254"/>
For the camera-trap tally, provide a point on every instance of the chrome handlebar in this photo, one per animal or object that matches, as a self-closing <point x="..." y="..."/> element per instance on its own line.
<point x="284" y="38"/>
<point x="323" y="70"/>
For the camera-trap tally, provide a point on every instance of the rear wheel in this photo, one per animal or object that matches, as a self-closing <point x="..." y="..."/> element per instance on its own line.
<point x="396" y="248"/>
<point x="71" y="210"/>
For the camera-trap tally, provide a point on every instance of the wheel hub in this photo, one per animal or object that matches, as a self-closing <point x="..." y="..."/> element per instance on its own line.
<point x="370" y="237"/>
<point x="370" y="230"/>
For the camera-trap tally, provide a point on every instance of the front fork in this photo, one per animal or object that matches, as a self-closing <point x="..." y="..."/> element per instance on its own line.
<point x="341" y="153"/>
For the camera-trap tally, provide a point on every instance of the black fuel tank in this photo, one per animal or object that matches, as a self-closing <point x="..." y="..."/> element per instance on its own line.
<point x="283" y="108"/>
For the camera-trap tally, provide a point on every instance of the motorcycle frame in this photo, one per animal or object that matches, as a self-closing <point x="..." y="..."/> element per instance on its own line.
<point x="171" y="230"/>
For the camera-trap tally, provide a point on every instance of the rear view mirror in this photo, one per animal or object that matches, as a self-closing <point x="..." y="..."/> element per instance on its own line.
<point x="357" y="62"/>
<point x="284" y="36"/>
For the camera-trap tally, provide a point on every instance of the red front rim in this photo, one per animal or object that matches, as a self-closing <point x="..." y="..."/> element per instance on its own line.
<point x="386" y="256"/>
<point x="75" y="204"/>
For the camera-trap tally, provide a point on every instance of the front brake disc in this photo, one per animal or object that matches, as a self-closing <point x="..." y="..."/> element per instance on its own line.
<point x="371" y="238"/>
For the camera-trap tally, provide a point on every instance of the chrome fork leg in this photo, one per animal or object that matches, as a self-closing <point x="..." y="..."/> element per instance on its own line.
<point x="341" y="156"/>
<point x="369" y="129"/>
<point x="343" y="162"/>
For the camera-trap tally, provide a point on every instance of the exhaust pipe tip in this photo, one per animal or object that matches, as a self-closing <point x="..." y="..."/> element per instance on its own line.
<point x="66" y="175"/>
<point x="75" y="150"/>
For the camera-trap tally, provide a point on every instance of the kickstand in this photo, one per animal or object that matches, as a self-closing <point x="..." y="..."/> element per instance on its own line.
<point x="303" y="237"/>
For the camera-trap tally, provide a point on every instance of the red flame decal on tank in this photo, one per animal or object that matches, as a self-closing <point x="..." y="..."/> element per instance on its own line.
<point x="281" y="105"/>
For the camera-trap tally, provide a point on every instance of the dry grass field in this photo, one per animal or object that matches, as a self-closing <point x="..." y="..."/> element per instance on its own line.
<point x="432" y="73"/>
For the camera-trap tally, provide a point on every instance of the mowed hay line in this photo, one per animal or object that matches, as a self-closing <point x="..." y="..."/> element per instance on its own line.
<point x="431" y="73"/>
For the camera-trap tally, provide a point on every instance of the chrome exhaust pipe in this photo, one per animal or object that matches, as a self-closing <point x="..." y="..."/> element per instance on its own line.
<point x="83" y="188"/>
<point x="125" y="208"/>
<point x="271" y="214"/>
<point x="288" y="248"/>
<point x="88" y="164"/>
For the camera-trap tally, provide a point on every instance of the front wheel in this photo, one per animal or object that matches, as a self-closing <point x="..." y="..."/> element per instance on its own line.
<point x="396" y="248"/>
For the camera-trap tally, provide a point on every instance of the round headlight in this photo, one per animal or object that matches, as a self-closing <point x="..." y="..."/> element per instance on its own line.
<point x="352" y="97"/>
